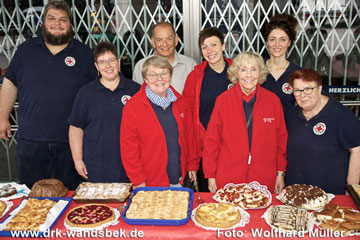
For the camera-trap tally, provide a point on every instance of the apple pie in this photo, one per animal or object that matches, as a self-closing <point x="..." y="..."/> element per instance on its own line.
<point x="165" y="205"/>
<point x="31" y="216"/>
<point x="217" y="215"/>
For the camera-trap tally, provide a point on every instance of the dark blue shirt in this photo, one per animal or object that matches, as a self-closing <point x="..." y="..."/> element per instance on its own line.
<point x="318" y="149"/>
<point x="47" y="85"/>
<point x="281" y="87"/>
<point x="171" y="131"/>
<point x="98" y="110"/>
<point x="213" y="84"/>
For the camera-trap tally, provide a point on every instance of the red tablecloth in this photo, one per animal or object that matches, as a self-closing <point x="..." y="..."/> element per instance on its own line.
<point x="190" y="230"/>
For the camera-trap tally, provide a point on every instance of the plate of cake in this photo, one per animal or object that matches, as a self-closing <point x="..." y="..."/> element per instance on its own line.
<point x="305" y="196"/>
<point x="13" y="190"/>
<point x="336" y="218"/>
<point x="159" y="206"/>
<point x="88" y="192"/>
<point x="90" y="217"/>
<point x="288" y="219"/>
<point x="246" y="196"/>
<point x="34" y="214"/>
<point x="213" y="216"/>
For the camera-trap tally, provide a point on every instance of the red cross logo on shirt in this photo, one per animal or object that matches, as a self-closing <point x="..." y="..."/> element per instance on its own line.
<point x="319" y="128"/>
<point x="70" y="61"/>
<point x="125" y="99"/>
<point x="286" y="88"/>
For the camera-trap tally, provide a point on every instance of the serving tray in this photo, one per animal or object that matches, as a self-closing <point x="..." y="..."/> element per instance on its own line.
<point x="354" y="195"/>
<point x="102" y="200"/>
<point x="39" y="233"/>
<point x="166" y="222"/>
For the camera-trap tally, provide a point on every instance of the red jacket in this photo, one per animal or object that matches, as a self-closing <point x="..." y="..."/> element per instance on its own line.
<point x="226" y="145"/>
<point x="143" y="144"/>
<point x="192" y="95"/>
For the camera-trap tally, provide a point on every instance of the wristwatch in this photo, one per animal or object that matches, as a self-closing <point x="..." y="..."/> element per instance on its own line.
<point x="280" y="174"/>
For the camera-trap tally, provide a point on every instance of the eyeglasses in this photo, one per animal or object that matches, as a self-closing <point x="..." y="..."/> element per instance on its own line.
<point x="154" y="76"/>
<point x="306" y="91"/>
<point x="111" y="62"/>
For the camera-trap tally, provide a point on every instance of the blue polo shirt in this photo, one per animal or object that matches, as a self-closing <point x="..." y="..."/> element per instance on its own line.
<point x="281" y="87"/>
<point x="318" y="149"/>
<point x="213" y="84"/>
<point x="47" y="85"/>
<point x="98" y="110"/>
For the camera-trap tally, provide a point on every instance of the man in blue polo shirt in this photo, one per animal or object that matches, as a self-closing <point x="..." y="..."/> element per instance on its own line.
<point x="46" y="72"/>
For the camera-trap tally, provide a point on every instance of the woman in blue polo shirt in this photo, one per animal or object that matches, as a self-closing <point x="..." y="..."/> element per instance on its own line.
<point x="94" y="132"/>
<point x="280" y="33"/>
<point x="323" y="137"/>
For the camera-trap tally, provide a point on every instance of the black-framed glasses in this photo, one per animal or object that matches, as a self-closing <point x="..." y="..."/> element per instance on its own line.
<point x="111" y="62"/>
<point x="306" y="91"/>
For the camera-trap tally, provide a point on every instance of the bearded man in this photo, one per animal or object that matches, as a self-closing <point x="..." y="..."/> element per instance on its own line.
<point x="46" y="73"/>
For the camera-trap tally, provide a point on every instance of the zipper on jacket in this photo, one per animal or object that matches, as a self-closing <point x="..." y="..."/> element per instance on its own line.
<point x="249" y="159"/>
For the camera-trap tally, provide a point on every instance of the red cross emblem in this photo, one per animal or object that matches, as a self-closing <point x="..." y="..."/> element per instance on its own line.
<point x="70" y="61"/>
<point x="125" y="99"/>
<point x="286" y="88"/>
<point x="319" y="128"/>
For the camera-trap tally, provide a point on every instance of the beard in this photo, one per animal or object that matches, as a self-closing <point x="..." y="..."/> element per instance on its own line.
<point x="57" y="40"/>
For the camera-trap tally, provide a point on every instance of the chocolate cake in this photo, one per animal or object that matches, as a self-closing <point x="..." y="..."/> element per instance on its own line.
<point x="304" y="196"/>
<point x="7" y="191"/>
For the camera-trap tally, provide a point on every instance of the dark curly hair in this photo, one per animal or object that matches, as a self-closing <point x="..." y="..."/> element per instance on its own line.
<point x="285" y="22"/>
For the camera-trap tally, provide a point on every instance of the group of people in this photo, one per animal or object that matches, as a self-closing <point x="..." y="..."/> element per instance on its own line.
<point x="223" y="120"/>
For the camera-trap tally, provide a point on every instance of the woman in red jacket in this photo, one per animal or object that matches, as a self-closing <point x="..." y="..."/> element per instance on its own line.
<point x="207" y="81"/>
<point x="246" y="137"/>
<point x="156" y="135"/>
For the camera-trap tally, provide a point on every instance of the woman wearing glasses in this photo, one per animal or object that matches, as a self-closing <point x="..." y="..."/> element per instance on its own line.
<point x="156" y="137"/>
<point x="95" y="119"/>
<point x="324" y="137"/>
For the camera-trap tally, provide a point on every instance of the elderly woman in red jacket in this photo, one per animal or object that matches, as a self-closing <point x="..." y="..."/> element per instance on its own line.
<point x="246" y="136"/>
<point x="156" y="136"/>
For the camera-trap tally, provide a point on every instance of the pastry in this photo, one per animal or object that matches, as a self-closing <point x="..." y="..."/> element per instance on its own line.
<point x="48" y="188"/>
<point x="31" y="216"/>
<point x="89" y="216"/>
<point x="338" y="218"/>
<point x="3" y="207"/>
<point x="7" y="190"/>
<point x="165" y="205"/>
<point x="102" y="191"/>
<point x="304" y="196"/>
<point x="217" y="215"/>
<point x="287" y="218"/>
<point x="242" y="195"/>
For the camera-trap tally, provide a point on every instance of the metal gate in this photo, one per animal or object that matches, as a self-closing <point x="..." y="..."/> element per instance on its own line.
<point x="328" y="34"/>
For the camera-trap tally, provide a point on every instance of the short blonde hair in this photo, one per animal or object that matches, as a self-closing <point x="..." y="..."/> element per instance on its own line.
<point x="156" y="61"/>
<point x="243" y="57"/>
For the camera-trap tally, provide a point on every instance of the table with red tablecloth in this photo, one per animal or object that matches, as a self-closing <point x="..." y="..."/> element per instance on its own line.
<point x="256" y="229"/>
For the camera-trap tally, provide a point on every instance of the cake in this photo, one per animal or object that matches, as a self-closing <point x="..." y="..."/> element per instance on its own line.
<point x="91" y="192"/>
<point x="164" y="205"/>
<point x="288" y="218"/>
<point x="217" y="215"/>
<point x="304" y="196"/>
<point x="89" y="216"/>
<point x="3" y="207"/>
<point x="48" y="188"/>
<point x="7" y="191"/>
<point x="243" y="195"/>
<point x="31" y="216"/>
<point x="336" y="218"/>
